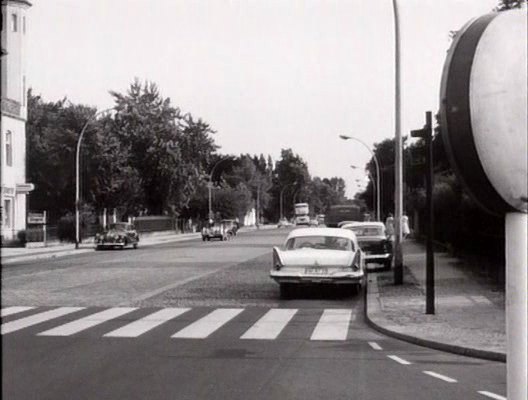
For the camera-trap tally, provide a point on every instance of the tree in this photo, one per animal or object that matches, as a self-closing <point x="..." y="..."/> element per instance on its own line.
<point x="505" y="5"/>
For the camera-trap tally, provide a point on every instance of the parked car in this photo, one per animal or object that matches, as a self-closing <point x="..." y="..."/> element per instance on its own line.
<point x="318" y="256"/>
<point x="118" y="235"/>
<point x="314" y="222"/>
<point x="215" y="231"/>
<point x="283" y="223"/>
<point x="231" y="225"/>
<point x="374" y="242"/>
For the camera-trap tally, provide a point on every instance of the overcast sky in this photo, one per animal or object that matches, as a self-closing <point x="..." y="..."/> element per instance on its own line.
<point x="265" y="74"/>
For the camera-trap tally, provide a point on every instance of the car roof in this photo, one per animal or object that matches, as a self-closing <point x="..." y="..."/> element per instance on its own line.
<point x="344" y="233"/>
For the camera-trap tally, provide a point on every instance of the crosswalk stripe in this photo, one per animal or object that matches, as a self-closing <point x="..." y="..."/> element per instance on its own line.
<point x="87" y="322"/>
<point x="208" y="324"/>
<point x="270" y="325"/>
<point x="333" y="325"/>
<point x="147" y="323"/>
<point x="22" y="323"/>
<point x="13" y="310"/>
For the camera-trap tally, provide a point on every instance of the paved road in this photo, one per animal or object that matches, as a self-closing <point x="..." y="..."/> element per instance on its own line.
<point x="195" y="320"/>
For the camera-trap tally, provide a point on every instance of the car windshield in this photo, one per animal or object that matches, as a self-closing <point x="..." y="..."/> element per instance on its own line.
<point x="320" y="242"/>
<point x="367" y="230"/>
<point x="118" y="227"/>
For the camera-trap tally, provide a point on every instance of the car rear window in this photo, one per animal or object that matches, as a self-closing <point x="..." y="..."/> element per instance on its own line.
<point x="320" y="242"/>
<point x="367" y="230"/>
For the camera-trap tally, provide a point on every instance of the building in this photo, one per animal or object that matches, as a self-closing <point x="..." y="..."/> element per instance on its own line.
<point x="14" y="116"/>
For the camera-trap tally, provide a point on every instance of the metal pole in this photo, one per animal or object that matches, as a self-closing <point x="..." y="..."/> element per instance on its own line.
<point x="280" y="202"/>
<point x="429" y="271"/>
<point x="516" y="305"/>
<point x="398" y="181"/>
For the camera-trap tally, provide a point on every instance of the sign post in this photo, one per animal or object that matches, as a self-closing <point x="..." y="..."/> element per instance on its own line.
<point x="484" y="124"/>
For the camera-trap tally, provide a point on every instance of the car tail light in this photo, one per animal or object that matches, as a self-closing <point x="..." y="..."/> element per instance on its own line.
<point x="355" y="262"/>
<point x="277" y="264"/>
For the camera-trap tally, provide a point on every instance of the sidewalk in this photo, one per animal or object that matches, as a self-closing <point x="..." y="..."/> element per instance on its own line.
<point x="469" y="314"/>
<point x="56" y="249"/>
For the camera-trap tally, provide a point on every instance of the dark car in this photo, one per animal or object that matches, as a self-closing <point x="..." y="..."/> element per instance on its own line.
<point x="118" y="235"/>
<point x="231" y="226"/>
<point x="374" y="242"/>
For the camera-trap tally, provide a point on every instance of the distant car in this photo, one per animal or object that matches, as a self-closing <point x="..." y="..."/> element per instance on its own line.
<point x="342" y="223"/>
<point x="283" y="223"/>
<point x="215" y="231"/>
<point x="118" y="235"/>
<point x="374" y="242"/>
<point x="231" y="225"/>
<point x="321" y="219"/>
<point x="314" y="222"/>
<point x="318" y="256"/>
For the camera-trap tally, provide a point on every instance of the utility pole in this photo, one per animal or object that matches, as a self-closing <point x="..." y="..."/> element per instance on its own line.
<point x="426" y="133"/>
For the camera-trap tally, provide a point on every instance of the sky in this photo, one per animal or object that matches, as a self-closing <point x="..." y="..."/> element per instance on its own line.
<point x="266" y="75"/>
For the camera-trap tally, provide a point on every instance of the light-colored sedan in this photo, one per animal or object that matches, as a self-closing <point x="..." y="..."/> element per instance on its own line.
<point x="318" y="256"/>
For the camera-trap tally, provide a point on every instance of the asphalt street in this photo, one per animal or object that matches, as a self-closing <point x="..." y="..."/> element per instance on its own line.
<point x="203" y="320"/>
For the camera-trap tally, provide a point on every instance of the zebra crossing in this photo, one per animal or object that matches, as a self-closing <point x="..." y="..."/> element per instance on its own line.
<point x="324" y="324"/>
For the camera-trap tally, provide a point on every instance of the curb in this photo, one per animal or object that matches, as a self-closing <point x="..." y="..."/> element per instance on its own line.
<point x="450" y="348"/>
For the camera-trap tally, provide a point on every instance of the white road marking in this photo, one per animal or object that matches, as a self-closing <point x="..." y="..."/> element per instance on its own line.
<point x="399" y="360"/>
<point x="208" y="324"/>
<point x="147" y="323"/>
<point x="375" y="346"/>
<point x="270" y="325"/>
<point x="87" y="322"/>
<point x="439" y="376"/>
<point x="333" y="325"/>
<point x="491" y="395"/>
<point x="13" y="310"/>
<point x="22" y="323"/>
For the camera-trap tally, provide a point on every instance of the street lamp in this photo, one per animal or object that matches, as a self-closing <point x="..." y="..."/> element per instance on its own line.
<point x="210" y="185"/>
<point x="77" y="189"/>
<point x="378" y="207"/>
<point x="281" y="198"/>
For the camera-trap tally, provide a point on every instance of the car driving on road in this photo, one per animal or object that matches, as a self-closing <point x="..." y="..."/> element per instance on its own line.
<point x="374" y="242"/>
<point x="118" y="235"/>
<point x="318" y="256"/>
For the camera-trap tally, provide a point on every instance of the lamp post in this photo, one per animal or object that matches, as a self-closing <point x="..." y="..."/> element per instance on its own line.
<point x="376" y="162"/>
<point x="376" y="194"/>
<point x="281" y="198"/>
<point x="77" y="157"/>
<point x="210" y="185"/>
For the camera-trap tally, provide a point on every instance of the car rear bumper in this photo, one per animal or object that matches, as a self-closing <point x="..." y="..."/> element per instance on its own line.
<point x="343" y="278"/>
<point x="377" y="258"/>
<point x="108" y="244"/>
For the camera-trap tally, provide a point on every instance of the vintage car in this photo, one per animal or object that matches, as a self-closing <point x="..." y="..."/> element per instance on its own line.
<point x="283" y="223"/>
<point x="318" y="256"/>
<point x="215" y="231"/>
<point x="374" y="242"/>
<point x="118" y="235"/>
<point x="231" y="225"/>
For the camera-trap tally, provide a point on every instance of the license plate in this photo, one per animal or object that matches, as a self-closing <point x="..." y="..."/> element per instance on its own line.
<point x="316" y="271"/>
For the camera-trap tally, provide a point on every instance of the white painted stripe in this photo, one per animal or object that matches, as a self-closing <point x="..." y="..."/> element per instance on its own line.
<point x="440" y="376"/>
<point x="13" y="310"/>
<point x="22" y="323"/>
<point x="147" y="323"/>
<point x="375" y="346"/>
<point x="491" y="395"/>
<point x="87" y="322"/>
<point x="208" y="324"/>
<point x="333" y="325"/>
<point x="270" y="325"/>
<point x="399" y="360"/>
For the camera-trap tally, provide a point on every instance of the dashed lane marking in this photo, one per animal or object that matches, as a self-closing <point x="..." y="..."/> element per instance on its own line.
<point x="22" y="323"/>
<point x="14" y="310"/>
<point x="491" y="395"/>
<point x="333" y="325"/>
<point x="270" y="325"/>
<point x="147" y="323"/>
<point x="399" y="360"/>
<point x="87" y="322"/>
<point x="208" y="324"/>
<point x="440" y="376"/>
<point x="375" y="346"/>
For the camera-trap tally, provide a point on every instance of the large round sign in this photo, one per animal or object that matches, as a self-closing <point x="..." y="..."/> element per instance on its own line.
<point x="484" y="110"/>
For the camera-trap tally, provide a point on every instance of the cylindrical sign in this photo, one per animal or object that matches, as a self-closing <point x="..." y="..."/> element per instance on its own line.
<point x="484" y="110"/>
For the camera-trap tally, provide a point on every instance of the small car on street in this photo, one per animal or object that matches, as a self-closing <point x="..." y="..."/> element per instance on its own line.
<point x="318" y="256"/>
<point x="216" y="230"/>
<point x="374" y="242"/>
<point x="283" y="223"/>
<point x="231" y="225"/>
<point x="118" y="235"/>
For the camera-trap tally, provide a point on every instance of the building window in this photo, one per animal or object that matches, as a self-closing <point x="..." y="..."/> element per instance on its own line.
<point x="9" y="148"/>
<point x="14" y="22"/>
<point x="7" y="212"/>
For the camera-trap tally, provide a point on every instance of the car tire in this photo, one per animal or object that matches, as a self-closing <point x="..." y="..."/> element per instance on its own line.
<point x="387" y="265"/>
<point x="135" y="246"/>
<point x="286" y="290"/>
<point x="97" y="248"/>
